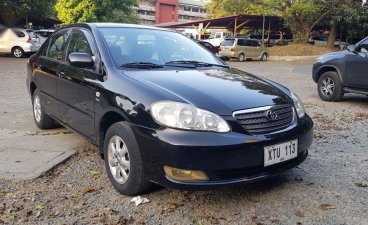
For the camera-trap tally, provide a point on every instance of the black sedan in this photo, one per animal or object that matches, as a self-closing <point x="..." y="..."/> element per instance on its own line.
<point x="209" y="46"/>
<point x="163" y="109"/>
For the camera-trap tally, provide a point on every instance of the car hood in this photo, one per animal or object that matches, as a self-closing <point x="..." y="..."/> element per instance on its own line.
<point x="222" y="91"/>
<point x="333" y="55"/>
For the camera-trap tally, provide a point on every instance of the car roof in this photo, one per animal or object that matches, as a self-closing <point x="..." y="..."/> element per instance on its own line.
<point x="114" y="25"/>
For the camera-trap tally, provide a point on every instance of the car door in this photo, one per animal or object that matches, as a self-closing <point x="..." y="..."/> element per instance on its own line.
<point x="357" y="66"/>
<point x="46" y="70"/>
<point x="249" y="51"/>
<point x="76" y="86"/>
<point x="257" y="50"/>
<point x="240" y="47"/>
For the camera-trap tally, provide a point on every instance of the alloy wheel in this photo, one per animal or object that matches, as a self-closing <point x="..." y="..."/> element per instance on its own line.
<point x="119" y="161"/>
<point x="37" y="108"/>
<point x="17" y="53"/>
<point x="327" y="86"/>
<point x="264" y="57"/>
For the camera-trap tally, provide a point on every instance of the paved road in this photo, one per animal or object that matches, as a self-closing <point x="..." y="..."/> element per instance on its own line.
<point x="25" y="151"/>
<point x="327" y="189"/>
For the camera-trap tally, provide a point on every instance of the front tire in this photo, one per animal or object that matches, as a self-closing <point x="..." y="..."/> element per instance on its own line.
<point x="329" y="87"/>
<point x="123" y="160"/>
<point x="42" y="120"/>
<point x="18" y="52"/>
<point x="264" y="57"/>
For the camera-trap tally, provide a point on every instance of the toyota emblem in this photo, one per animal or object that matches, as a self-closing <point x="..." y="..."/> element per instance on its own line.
<point x="271" y="115"/>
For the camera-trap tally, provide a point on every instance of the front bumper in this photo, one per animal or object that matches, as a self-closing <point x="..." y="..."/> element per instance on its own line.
<point x="226" y="158"/>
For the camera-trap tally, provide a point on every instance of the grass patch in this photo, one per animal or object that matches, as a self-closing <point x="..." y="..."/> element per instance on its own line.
<point x="298" y="50"/>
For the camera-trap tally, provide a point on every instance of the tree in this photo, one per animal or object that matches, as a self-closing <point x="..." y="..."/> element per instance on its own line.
<point x="301" y="16"/>
<point x="13" y="10"/>
<point x="345" y="13"/>
<point x="73" y="11"/>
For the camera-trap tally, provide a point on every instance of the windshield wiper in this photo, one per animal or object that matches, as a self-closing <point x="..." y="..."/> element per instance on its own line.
<point x="193" y="63"/>
<point x="143" y="65"/>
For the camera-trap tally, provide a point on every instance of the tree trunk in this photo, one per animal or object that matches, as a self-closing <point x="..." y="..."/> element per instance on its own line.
<point x="332" y="36"/>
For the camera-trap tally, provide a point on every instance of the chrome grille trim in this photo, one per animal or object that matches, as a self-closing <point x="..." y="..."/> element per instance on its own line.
<point x="254" y="120"/>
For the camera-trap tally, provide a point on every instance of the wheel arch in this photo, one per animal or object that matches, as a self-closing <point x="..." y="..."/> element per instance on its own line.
<point x="16" y="47"/>
<point x="110" y="117"/>
<point x="328" y="68"/>
<point x="32" y="88"/>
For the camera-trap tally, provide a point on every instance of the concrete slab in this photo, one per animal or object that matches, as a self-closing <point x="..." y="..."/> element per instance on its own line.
<point x="27" y="155"/>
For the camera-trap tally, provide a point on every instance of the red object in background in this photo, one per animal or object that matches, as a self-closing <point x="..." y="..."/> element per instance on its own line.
<point x="167" y="11"/>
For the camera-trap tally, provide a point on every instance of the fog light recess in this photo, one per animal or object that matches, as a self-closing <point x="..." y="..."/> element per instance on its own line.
<point x="185" y="175"/>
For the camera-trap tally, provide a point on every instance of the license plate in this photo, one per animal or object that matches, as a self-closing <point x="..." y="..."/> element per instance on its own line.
<point x="281" y="152"/>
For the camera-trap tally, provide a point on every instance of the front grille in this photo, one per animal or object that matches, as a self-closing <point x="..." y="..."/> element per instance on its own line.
<point x="259" y="120"/>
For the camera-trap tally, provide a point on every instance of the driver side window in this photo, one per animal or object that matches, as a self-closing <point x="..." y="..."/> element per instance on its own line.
<point x="79" y="43"/>
<point x="57" y="47"/>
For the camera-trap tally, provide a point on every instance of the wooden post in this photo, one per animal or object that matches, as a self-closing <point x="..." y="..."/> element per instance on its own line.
<point x="235" y="26"/>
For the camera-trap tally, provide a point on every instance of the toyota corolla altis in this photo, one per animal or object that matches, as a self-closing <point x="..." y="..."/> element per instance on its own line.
<point x="163" y="109"/>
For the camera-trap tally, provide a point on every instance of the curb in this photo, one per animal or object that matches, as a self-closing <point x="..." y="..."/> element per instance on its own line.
<point x="292" y="58"/>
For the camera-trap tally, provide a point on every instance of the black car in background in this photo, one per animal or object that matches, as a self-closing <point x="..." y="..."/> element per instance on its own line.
<point x="342" y="72"/>
<point x="209" y="46"/>
<point x="162" y="109"/>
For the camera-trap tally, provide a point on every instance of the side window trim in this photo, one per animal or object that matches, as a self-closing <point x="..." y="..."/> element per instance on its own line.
<point x="92" y="43"/>
<point x="62" y="32"/>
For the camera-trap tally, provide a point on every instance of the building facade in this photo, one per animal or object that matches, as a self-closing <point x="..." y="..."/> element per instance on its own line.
<point x="152" y="12"/>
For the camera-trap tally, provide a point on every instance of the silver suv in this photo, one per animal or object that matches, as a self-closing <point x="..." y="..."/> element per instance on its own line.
<point x="18" y="42"/>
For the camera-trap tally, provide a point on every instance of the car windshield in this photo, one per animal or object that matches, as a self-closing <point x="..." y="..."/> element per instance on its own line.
<point x="228" y="42"/>
<point x="138" y="45"/>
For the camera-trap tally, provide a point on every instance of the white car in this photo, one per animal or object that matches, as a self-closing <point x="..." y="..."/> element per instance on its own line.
<point x="18" y="42"/>
<point x="216" y="38"/>
<point x="43" y="34"/>
<point x="322" y="41"/>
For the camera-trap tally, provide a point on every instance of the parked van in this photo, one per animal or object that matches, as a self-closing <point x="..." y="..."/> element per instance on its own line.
<point x="218" y="37"/>
<point x="242" y="49"/>
<point x="19" y="42"/>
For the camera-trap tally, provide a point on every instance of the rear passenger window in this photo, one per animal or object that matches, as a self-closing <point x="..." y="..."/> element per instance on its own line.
<point x="241" y="42"/>
<point x="57" y="47"/>
<point x="19" y="33"/>
<point x="248" y="43"/>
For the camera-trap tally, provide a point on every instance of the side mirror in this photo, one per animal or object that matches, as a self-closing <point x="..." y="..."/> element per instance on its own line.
<point x="81" y="60"/>
<point x="351" y="48"/>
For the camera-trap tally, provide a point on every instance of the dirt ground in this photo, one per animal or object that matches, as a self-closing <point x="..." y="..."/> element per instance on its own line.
<point x="330" y="187"/>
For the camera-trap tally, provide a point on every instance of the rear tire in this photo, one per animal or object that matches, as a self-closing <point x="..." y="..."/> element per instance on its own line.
<point x="330" y="87"/>
<point x="18" y="52"/>
<point x="123" y="161"/>
<point x="241" y="57"/>
<point x="42" y="120"/>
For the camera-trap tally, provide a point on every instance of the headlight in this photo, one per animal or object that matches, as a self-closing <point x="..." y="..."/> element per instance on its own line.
<point x="299" y="106"/>
<point x="188" y="117"/>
